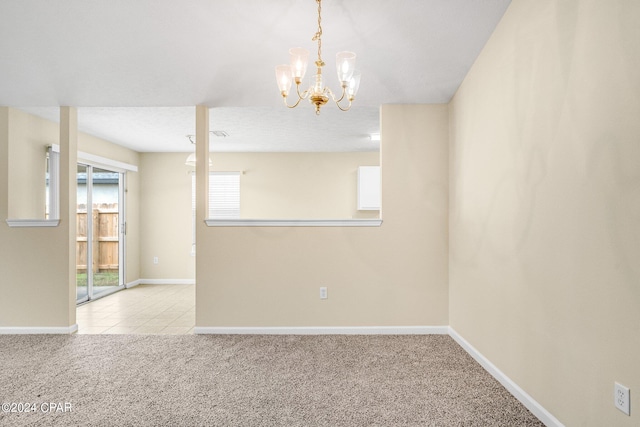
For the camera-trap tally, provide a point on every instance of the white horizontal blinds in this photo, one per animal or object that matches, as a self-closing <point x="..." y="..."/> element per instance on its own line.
<point x="224" y="199"/>
<point x="224" y="195"/>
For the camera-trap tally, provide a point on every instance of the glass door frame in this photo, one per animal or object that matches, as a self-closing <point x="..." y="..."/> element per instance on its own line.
<point x="121" y="230"/>
<point x="85" y="297"/>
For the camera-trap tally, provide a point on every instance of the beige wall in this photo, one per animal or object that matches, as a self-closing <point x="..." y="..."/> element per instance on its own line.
<point x="35" y="283"/>
<point x="100" y="147"/>
<point x="274" y="185"/>
<point x="393" y="275"/>
<point x="29" y="137"/>
<point x="545" y="205"/>
<point x="298" y="185"/>
<point x="165" y="207"/>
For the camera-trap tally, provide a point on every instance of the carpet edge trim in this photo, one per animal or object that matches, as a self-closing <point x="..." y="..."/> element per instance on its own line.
<point x="30" y="330"/>
<point x="323" y="330"/>
<point x="529" y="402"/>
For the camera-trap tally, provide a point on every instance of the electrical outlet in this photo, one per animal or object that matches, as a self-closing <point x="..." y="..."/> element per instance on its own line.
<point x="155" y="259"/>
<point x="323" y="292"/>
<point x="621" y="397"/>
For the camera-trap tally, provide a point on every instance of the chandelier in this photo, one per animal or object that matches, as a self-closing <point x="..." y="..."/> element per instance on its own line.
<point x="317" y="93"/>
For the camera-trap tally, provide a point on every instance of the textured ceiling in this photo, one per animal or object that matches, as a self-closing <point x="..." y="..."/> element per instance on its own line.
<point x="250" y="129"/>
<point x="114" y="54"/>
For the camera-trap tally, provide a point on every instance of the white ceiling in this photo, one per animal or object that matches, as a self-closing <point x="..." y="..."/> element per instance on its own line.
<point x="250" y="129"/>
<point x="136" y="68"/>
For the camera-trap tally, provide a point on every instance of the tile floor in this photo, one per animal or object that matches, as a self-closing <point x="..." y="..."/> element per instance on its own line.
<point x="143" y="309"/>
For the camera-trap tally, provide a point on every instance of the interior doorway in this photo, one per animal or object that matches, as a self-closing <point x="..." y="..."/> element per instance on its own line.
<point x="100" y="228"/>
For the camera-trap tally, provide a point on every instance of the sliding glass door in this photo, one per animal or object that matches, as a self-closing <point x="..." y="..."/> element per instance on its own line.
<point x="82" y="235"/>
<point x="100" y="232"/>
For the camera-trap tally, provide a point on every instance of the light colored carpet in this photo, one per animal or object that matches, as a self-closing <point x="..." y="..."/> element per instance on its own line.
<point x="138" y="380"/>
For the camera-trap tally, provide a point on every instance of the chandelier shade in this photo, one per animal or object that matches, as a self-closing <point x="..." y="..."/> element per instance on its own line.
<point x="318" y="94"/>
<point x="299" y="62"/>
<point x="354" y="85"/>
<point x="345" y="63"/>
<point x="283" y="77"/>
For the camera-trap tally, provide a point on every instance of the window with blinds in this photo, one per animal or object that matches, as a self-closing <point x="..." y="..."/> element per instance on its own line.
<point x="224" y="195"/>
<point x="224" y="198"/>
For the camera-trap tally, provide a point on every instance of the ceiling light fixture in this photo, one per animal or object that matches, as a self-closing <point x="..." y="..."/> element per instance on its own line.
<point x="191" y="158"/>
<point x="218" y="133"/>
<point x="318" y="94"/>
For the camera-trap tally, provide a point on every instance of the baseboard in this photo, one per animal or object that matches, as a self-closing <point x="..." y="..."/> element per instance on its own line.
<point x="524" y="398"/>
<point x="325" y="330"/>
<point x="160" y="282"/>
<point x="132" y="284"/>
<point x="30" y="330"/>
<point x="166" y="281"/>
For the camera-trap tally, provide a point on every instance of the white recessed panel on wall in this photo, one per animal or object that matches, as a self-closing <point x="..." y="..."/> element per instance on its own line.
<point x="369" y="188"/>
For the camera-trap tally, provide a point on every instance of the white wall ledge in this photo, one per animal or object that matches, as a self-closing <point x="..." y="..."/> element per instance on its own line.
<point x="293" y="222"/>
<point x="33" y="222"/>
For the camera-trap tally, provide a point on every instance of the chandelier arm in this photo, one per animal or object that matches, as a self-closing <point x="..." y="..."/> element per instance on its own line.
<point x="344" y="109"/>
<point x="337" y="101"/>
<point x="291" y="106"/>
<point x="301" y="96"/>
<point x="344" y="92"/>
<point x="304" y="94"/>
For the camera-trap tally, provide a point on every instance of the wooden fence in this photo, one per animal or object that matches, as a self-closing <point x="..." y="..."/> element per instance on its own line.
<point x="105" y="238"/>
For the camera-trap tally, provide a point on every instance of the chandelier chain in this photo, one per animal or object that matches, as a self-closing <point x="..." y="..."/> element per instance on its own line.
<point x="318" y="35"/>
